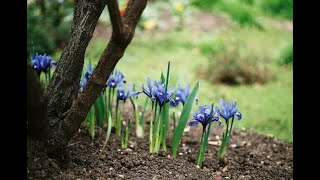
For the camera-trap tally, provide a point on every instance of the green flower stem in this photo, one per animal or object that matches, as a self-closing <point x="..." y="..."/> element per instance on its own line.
<point x="151" y="143"/>
<point x="142" y="119"/>
<point x="224" y="142"/>
<point x="122" y="137"/>
<point x="199" y="157"/>
<point x="227" y="129"/>
<point x="127" y="133"/>
<point x="174" y="120"/>
<point x="230" y="127"/>
<point x="106" y="97"/>
<point x="156" y="135"/>
<point x="109" y="104"/>
<point x="118" y="122"/>
<point x="225" y="139"/>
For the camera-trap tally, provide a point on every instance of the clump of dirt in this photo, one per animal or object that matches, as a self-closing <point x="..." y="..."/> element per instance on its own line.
<point x="250" y="155"/>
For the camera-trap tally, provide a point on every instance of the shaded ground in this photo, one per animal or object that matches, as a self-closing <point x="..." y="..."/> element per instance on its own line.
<point x="250" y="156"/>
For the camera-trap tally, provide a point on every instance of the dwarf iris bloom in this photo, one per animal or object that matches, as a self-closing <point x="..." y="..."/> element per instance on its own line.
<point x="82" y="84"/>
<point x="227" y="110"/>
<point x="114" y="79"/>
<point x="149" y="91"/>
<point x="123" y="95"/>
<point x="205" y="115"/>
<point x="89" y="72"/>
<point x="181" y="96"/>
<point x="157" y="92"/>
<point x="42" y="63"/>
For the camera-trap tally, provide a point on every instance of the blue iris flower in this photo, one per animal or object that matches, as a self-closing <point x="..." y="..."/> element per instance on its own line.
<point x="228" y="110"/>
<point x="82" y="84"/>
<point x="123" y="95"/>
<point x="114" y="79"/>
<point x="86" y="77"/>
<point x="157" y="92"/>
<point x="89" y="72"/>
<point x="149" y="91"/>
<point x="203" y="116"/>
<point x="42" y="63"/>
<point x="181" y="96"/>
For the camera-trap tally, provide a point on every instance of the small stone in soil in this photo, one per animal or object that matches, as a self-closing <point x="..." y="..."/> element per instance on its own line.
<point x="187" y="129"/>
<point x="243" y="143"/>
<point x="121" y="176"/>
<point x="225" y="168"/>
<point x="217" y="137"/>
<point x="215" y="143"/>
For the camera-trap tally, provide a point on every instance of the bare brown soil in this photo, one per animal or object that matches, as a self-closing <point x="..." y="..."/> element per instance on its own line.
<point x="250" y="156"/>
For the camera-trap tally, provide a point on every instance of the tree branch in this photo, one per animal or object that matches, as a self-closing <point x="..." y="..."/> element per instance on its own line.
<point x="115" y="18"/>
<point x="63" y="88"/>
<point x="120" y="39"/>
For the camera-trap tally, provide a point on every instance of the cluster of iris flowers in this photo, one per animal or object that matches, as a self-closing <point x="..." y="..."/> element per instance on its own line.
<point x="43" y="64"/>
<point x="162" y="99"/>
<point x="206" y="115"/>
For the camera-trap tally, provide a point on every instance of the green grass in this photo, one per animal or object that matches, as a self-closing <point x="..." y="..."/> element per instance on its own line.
<point x="248" y="10"/>
<point x="266" y="108"/>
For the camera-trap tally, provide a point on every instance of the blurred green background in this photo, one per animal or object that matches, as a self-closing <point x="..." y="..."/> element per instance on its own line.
<point x="237" y="49"/>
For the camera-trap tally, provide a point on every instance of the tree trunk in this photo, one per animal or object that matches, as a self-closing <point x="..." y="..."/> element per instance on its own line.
<point x="37" y="120"/>
<point x="66" y="109"/>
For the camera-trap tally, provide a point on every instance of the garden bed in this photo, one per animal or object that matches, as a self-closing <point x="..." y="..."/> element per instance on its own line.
<point x="250" y="156"/>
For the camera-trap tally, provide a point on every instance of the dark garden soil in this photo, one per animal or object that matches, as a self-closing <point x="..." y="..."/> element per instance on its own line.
<point x="250" y="155"/>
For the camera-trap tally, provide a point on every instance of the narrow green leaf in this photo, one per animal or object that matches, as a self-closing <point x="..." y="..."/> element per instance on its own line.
<point x="127" y="133"/>
<point x="165" y="120"/>
<point x="163" y="80"/>
<point x="174" y="120"/>
<point x="167" y="80"/>
<point x="118" y="121"/>
<point x="177" y="134"/>
<point x="91" y="123"/>
<point x="143" y="112"/>
<point x="100" y="110"/>
<point x="122" y="136"/>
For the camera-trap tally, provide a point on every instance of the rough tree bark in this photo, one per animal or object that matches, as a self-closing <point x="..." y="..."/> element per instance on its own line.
<point x="37" y="120"/>
<point x="67" y="110"/>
